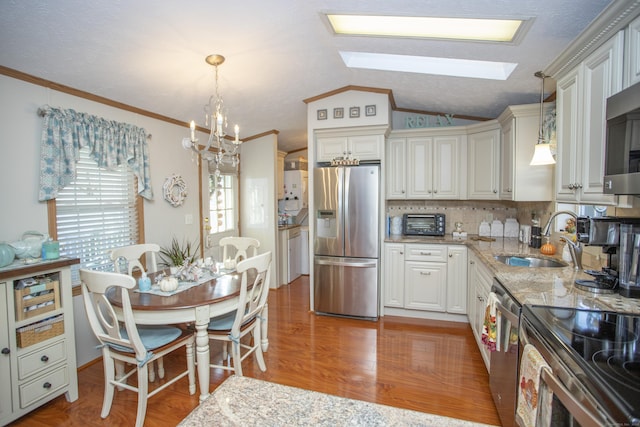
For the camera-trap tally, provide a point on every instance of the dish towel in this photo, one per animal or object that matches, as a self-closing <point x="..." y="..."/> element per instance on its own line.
<point x="529" y="390"/>
<point x="489" y="328"/>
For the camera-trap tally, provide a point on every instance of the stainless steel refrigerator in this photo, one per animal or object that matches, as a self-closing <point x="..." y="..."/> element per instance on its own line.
<point x="346" y="246"/>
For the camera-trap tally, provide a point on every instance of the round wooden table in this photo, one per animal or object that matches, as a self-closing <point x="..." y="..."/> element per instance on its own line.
<point x="196" y="305"/>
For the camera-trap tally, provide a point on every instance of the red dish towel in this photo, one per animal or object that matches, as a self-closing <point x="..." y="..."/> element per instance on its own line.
<point x="489" y="328"/>
<point x="529" y="390"/>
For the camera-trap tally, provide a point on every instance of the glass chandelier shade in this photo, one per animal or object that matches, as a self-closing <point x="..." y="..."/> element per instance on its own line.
<point x="226" y="151"/>
<point x="542" y="154"/>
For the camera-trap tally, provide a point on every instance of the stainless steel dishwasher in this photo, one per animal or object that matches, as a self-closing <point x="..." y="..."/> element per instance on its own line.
<point x="503" y="369"/>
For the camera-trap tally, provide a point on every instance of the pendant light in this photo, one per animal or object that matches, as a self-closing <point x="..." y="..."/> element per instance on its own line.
<point x="542" y="154"/>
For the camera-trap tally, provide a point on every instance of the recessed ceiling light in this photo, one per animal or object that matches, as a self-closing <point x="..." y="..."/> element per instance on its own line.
<point x="492" y="30"/>
<point x="429" y="65"/>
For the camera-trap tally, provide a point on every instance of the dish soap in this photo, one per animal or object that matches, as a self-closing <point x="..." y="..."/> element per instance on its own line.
<point x="144" y="283"/>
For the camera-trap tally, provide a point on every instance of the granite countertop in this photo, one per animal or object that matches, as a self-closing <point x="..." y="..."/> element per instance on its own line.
<point x="543" y="286"/>
<point x="244" y="401"/>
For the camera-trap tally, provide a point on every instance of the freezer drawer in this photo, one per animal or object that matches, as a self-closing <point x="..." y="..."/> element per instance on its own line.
<point x="346" y="286"/>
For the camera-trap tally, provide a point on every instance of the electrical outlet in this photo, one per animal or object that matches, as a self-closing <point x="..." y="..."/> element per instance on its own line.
<point x="188" y="219"/>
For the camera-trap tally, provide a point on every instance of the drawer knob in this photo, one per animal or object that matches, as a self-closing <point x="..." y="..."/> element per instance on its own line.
<point x="46" y="385"/>
<point x="6" y="351"/>
<point x="44" y="358"/>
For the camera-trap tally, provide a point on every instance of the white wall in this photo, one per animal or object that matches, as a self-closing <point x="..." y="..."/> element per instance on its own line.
<point x="20" y="132"/>
<point x="259" y="208"/>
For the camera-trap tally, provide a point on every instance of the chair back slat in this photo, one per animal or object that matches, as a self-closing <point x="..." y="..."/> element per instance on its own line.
<point x="133" y="254"/>
<point x="102" y="314"/>
<point x="252" y="300"/>
<point x="245" y="247"/>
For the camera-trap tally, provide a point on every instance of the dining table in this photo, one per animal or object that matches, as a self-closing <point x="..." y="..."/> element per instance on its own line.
<point x="195" y="305"/>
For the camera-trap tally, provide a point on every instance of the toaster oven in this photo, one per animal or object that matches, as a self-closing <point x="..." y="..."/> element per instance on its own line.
<point x="423" y="224"/>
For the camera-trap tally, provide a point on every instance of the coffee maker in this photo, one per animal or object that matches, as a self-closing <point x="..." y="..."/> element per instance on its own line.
<point x="619" y="238"/>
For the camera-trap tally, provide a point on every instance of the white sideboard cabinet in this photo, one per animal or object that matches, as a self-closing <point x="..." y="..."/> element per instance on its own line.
<point x="37" y="343"/>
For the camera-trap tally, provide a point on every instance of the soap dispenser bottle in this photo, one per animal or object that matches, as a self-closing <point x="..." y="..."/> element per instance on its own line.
<point x="144" y="283"/>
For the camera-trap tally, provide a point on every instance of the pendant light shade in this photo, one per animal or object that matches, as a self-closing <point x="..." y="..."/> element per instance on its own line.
<point x="542" y="154"/>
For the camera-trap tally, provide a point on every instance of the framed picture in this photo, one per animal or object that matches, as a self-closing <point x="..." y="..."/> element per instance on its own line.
<point x="338" y="113"/>
<point x="354" y="112"/>
<point x="370" y="110"/>
<point x="322" y="114"/>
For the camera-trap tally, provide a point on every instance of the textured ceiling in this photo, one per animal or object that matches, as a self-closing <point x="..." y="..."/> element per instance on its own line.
<point x="150" y="54"/>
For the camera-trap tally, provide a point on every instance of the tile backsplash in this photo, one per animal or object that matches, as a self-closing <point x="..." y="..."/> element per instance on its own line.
<point x="471" y="212"/>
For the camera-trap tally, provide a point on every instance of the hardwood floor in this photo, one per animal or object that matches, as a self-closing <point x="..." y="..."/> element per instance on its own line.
<point x="422" y="365"/>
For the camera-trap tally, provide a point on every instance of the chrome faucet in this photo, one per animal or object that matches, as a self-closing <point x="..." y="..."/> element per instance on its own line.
<point x="575" y="249"/>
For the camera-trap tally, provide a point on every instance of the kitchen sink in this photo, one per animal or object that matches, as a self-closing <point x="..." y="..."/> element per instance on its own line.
<point x="529" y="261"/>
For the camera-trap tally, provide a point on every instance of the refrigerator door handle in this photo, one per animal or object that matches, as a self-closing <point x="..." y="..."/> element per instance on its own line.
<point x="363" y="264"/>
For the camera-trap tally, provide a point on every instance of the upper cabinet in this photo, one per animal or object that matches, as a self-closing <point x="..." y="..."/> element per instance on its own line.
<point x="483" y="145"/>
<point x="364" y="144"/>
<point x="632" y="53"/>
<point x="424" y="165"/>
<point x="520" y="181"/>
<point x="580" y="124"/>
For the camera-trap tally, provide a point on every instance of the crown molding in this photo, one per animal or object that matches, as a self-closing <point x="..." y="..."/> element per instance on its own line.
<point x="614" y="18"/>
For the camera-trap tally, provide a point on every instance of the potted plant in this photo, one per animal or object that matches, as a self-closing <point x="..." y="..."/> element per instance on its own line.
<point x="179" y="254"/>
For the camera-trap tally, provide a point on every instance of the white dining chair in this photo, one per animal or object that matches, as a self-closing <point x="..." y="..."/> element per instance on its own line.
<point x="133" y="255"/>
<point x="247" y="318"/>
<point x="241" y="247"/>
<point x="127" y="342"/>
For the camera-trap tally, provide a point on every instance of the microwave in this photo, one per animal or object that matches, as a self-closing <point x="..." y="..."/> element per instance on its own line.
<point x="423" y="224"/>
<point x="622" y="144"/>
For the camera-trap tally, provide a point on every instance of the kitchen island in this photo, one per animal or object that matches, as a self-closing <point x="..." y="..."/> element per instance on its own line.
<point x="543" y="285"/>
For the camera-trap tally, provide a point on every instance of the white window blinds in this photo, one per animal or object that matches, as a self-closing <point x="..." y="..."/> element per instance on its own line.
<point x="96" y="213"/>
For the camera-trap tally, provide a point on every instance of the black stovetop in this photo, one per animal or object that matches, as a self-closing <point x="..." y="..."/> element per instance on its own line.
<point x="606" y="345"/>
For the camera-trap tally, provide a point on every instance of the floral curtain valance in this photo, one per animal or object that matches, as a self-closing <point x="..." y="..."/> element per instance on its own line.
<point x="111" y="143"/>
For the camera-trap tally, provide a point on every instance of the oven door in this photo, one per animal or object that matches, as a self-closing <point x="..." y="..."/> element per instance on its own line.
<point x="568" y="408"/>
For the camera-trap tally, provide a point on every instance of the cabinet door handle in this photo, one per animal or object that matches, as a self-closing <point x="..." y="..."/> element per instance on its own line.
<point x="435" y="191"/>
<point x="425" y="273"/>
<point x="402" y="191"/>
<point x="401" y="253"/>
<point x="425" y="253"/>
<point x="495" y="191"/>
<point x="6" y="351"/>
<point x="472" y="262"/>
<point x="46" y="385"/>
<point x="450" y="255"/>
<point x="44" y="358"/>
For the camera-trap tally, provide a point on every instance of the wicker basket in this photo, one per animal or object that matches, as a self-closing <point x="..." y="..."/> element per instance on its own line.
<point x="38" y="332"/>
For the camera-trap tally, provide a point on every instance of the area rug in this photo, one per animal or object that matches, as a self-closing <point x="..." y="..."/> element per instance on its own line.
<point x="244" y="401"/>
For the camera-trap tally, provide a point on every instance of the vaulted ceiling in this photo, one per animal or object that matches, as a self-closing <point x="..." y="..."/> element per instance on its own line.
<point x="150" y="54"/>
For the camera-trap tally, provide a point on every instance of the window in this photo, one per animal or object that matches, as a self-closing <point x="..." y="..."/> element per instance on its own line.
<point x="222" y="203"/>
<point x="97" y="212"/>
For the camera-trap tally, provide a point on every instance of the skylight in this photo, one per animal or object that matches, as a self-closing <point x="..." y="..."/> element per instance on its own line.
<point x="429" y="65"/>
<point x="490" y="30"/>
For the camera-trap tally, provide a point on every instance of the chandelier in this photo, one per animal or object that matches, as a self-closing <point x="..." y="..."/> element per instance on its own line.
<point x="216" y="121"/>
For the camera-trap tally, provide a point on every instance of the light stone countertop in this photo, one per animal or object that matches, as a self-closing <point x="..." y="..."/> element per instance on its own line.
<point x="542" y="286"/>
<point x="244" y="401"/>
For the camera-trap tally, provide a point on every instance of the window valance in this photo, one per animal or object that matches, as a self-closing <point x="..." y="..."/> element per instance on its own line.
<point x="111" y="143"/>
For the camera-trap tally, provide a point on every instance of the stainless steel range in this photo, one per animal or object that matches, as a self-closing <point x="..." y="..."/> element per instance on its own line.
<point x="595" y="355"/>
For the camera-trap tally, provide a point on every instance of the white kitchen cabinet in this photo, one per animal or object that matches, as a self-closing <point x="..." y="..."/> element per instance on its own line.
<point x="483" y="161"/>
<point x="423" y="165"/>
<point x="519" y="181"/>
<point x="5" y="358"/>
<point x="632" y="53"/>
<point x="425" y="285"/>
<point x="361" y="147"/>
<point x="479" y="287"/>
<point x="394" y="275"/>
<point x="280" y="175"/>
<point x="580" y="124"/>
<point x="457" y="280"/>
<point x="425" y="278"/>
<point x="38" y="360"/>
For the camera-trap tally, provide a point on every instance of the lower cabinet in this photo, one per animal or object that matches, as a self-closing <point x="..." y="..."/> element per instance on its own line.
<point x="479" y="286"/>
<point x="427" y="278"/>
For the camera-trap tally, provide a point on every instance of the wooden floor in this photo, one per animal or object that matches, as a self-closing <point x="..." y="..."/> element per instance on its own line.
<point x="422" y="365"/>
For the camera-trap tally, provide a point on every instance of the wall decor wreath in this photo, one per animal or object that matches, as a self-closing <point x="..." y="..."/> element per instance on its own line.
<point x="175" y="190"/>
